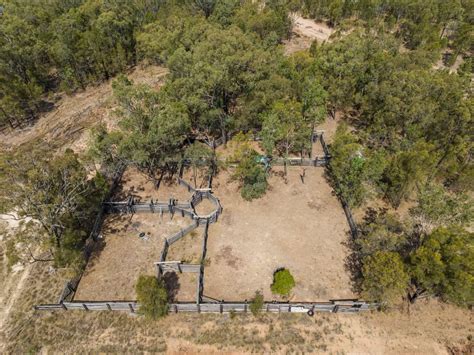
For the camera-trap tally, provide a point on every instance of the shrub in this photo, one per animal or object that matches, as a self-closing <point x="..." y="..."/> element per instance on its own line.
<point x="252" y="175"/>
<point x="283" y="282"/>
<point x="152" y="297"/>
<point x="385" y="279"/>
<point x="256" y="303"/>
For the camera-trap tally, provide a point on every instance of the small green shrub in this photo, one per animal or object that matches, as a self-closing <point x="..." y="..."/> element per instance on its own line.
<point x="256" y="303"/>
<point x="152" y="297"/>
<point x="283" y="282"/>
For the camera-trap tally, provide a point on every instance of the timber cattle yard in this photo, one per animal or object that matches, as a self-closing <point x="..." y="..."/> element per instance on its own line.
<point x="213" y="249"/>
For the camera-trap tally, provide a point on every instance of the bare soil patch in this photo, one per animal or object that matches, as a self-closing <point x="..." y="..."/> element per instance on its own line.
<point x="299" y="226"/>
<point x="143" y="188"/>
<point x="304" y="32"/>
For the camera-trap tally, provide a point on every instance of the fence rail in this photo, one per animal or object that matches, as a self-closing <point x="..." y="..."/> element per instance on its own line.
<point x="177" y="236"/>
<point x="178" y="266"/>
<point x="186" y="185"/>
<point x="219" y="307"/>
<point x="317" y="161"/>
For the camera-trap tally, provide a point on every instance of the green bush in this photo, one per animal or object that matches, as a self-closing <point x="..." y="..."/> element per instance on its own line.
<point x="256" y="303"/>
<point x="252" y="175"/>
<point x="385" y="278"/>
<point x="152" y="297"/>
<point x="283" y="282"/>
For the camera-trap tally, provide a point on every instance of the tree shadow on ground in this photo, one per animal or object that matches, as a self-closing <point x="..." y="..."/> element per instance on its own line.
<point x="94" y="253"/>
<point x="171" y="281"/>
<point x="353" y="263"/>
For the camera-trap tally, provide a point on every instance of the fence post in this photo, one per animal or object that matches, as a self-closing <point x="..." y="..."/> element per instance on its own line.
<point x="131" y="308"/>
<point x="108" y="307"/>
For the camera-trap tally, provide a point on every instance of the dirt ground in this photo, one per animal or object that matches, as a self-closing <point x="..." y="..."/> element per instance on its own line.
<point x="114" y="267"/>
<point x="298" y="226"/>
<point x="188" y="249"/>
<point x="304" y="32"/>
<point x="142" y="188"/>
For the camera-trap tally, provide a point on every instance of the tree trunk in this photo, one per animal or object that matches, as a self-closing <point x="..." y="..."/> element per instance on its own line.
<point x="413" y="297"/>
<point x="224" y="135"/>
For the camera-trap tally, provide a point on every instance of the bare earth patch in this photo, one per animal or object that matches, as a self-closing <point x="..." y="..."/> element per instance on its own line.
<point x="304" y="32"/>
<point x="300" y="226"/>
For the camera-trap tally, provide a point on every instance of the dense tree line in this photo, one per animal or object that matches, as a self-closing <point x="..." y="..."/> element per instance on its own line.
<point x="50" y="45"/>
<point x="428" y="24"/>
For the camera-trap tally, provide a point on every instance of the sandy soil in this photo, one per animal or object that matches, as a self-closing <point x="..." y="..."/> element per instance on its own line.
<point x="304" y="32"/>
<point x="68" y="124"/>
<point x="298" y="226"/>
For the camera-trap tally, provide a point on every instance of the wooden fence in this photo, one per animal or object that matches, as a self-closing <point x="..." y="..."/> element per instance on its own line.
<point x="177" y="236"/>
<point x="177" y="266"/>
<point x="347" y="211"/>
<point x="316" y="162"/>
<point x="71" y="286"/>
<point x="186" y="185"/>
<point x="342" y="306"/>
<point x="186" y="209"/>
<point x="200" y="286"/>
